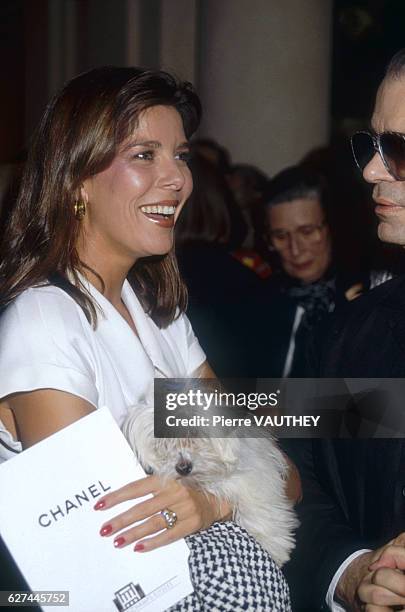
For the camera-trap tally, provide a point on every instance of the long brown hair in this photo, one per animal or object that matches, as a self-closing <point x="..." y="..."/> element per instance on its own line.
<point x="78" y="137"/>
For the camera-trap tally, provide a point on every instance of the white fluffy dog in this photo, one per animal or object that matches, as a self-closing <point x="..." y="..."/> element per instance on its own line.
<point x="250" y="473"/>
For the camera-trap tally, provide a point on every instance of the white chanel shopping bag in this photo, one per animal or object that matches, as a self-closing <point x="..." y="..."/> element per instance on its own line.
<point x="47" y="521"/>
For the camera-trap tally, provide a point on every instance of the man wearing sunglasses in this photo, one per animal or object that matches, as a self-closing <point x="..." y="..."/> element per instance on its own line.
<point x="351" y="547"/>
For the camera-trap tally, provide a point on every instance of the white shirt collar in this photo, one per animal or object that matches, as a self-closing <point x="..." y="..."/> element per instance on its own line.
<point x="122" y="338"/>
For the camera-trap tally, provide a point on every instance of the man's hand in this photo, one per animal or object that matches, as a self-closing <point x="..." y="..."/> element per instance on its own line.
<point x="375" y="581"/>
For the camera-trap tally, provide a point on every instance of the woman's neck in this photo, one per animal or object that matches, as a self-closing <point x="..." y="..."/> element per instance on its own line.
<point x="105" y="270"/>
<point x="110" y="285"/>
<point x="109" y="282"/>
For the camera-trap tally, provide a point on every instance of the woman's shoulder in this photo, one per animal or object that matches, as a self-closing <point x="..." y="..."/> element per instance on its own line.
<point x="180" y="334"/>
<point x="41" y="308"/>
<point x="44" y="344"/>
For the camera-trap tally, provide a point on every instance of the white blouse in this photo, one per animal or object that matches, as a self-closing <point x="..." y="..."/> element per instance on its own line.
<point x="47" y="342"/>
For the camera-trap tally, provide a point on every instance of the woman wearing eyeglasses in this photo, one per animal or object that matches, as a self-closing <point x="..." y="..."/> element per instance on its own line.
<point x="299" y="231"/>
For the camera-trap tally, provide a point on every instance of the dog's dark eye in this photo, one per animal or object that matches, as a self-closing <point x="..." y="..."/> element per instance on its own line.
<point x="148" y="469"/>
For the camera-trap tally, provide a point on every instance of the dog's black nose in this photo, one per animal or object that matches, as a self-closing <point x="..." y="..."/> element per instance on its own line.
<point x="184" y="467"/>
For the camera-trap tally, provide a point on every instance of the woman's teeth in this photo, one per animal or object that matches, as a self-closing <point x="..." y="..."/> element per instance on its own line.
<point x="158" y="210"/>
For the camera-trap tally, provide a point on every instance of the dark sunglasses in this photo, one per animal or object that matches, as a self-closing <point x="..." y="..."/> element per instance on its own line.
<point x="390" y="146"/>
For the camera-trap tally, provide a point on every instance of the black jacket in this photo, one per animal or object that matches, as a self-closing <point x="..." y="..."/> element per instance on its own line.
<point x="243" y="326"/>
<point x="353" y="490"/>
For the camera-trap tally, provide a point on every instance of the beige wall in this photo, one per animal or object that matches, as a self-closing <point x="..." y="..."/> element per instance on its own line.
<point x="179" y="37"/>
<point x="264" y="77"/>
<point x="262" y="67"/>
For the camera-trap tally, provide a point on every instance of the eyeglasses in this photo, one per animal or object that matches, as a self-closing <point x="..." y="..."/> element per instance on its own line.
<point x="307" y="234"/>
<point x="389" y="145"/>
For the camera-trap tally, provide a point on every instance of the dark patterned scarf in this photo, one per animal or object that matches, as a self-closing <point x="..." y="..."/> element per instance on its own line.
<point x="317" y="299"/>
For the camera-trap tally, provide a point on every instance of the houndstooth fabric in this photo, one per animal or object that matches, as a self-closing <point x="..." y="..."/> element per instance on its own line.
<point x="231" y="572"/>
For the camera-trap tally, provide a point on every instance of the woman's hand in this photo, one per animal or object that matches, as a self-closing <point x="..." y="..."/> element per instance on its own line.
<point x="194" y="510"/>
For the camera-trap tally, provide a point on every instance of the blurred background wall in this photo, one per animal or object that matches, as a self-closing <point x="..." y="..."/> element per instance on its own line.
<point x="262" y="67"/>
<point x="265" y="77"/>
<point x="276" y="78"/>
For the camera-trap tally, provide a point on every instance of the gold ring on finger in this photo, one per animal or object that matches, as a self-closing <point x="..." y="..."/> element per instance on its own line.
<point x="170" y="518"/>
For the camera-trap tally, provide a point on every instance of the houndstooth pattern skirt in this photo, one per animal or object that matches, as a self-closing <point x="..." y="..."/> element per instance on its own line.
<point x="231" y="572"/>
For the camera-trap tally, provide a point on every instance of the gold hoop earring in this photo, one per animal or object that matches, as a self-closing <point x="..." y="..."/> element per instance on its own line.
<point x="80" y="209"/>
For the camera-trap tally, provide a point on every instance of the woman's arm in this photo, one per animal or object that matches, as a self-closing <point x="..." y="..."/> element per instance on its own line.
<point x="38" y="414"/>
<point x="204" y="371"/>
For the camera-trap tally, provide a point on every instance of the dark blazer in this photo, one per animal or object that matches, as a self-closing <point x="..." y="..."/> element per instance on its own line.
<point x="353" y="490"/>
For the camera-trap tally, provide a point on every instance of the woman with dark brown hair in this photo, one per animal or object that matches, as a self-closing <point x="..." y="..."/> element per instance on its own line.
<point x="87" y="257"/>
<point x="93" y="302"/>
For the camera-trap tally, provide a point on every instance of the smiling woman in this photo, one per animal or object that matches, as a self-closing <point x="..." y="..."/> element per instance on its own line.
<point x="93" y="304"/>
<point x="133" y="204"/>
<point x="111" y="129"/>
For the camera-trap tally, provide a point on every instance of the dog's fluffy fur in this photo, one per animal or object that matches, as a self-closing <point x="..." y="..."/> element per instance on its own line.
<point x="250" y="473"/>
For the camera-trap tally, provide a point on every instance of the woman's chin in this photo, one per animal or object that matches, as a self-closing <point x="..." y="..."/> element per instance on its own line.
<point x="157" y="252"/>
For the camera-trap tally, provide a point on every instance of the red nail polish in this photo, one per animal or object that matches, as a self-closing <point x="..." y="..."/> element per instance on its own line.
<point x="106" y="530"/>
<point x="139" y="547"/>
<point x="119" y="542"/>
<point x="99" y="505"/>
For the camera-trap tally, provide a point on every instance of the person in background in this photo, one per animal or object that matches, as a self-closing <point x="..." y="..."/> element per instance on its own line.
<point x="246" y="183"/>
<point x="298" y="218"/>
<point x="249" y="185"/>
<point x="214" y="153"/>
<point x="225" y="297"/>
